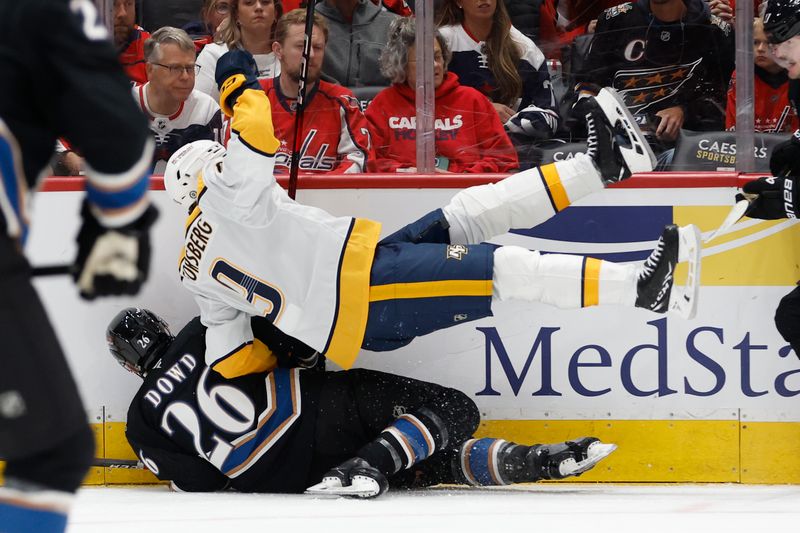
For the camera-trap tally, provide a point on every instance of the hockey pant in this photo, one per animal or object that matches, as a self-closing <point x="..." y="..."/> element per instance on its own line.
<point x="393" y="422"/>
<point x="435" y="273"/>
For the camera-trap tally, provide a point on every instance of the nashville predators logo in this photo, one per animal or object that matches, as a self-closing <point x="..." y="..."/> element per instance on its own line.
<point x="456" y="251"/>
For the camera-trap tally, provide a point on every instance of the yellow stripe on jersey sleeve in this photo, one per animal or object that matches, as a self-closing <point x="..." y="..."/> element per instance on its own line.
<point x="251" y="358"/>
<point x="351" y="318"/>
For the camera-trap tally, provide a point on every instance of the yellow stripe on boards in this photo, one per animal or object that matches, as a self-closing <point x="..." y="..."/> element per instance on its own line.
<point x="650" y="451"/>
<point x="430" y="289"/>
<point x="591" y="282"/>
<point x="553" y="181"/>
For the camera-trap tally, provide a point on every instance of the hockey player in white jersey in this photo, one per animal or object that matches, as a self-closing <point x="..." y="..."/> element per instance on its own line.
<point x="329" y="282"/>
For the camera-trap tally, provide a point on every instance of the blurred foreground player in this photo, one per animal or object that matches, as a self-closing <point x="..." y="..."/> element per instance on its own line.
<point x="777" y="197"/>
<point x="287" y="428"/>
<point x="60" y="78"/>
<point x="252" y="251"/>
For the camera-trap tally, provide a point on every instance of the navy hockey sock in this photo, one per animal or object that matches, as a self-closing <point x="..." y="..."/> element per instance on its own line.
<point x="25" y="508"/>
<point x="411" y="438"/>
<point x="480" y="462"/>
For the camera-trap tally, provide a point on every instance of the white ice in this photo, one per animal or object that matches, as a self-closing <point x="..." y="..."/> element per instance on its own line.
<point x="546" y="508"/>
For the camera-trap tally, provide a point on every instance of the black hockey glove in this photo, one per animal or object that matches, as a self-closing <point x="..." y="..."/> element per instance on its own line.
<point x="236" y="71"/>
<point x="785" y="159"/>
<point x="112" y="261"/>
<point x="776" y="198"/>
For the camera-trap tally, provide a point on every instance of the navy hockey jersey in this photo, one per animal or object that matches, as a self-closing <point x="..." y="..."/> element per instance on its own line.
<point x="202" y="432"/>
<point x="61" y="78"/>
<point x="655" y="65"/>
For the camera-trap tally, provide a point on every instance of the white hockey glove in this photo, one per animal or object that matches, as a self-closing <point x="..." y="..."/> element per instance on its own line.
<point x="112" y="261"/>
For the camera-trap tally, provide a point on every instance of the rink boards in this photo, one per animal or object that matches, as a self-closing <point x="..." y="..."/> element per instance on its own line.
<point x="711" y="399"/>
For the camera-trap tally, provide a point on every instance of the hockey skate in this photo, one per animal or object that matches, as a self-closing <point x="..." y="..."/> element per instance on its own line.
<point x="554" y="461"/>
<point x="615" y="142"/>
<point x="354" y="478"/>
<point x="655" y="287"/>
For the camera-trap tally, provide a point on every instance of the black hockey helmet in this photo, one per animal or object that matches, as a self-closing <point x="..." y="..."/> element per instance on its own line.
<point x="137" y="338"/>
<point x="781" y="20"/>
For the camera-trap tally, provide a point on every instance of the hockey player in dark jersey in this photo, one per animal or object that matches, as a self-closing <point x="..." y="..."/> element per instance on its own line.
<point x="60" y="77"/>
<point x="777" y="197"/>
<point x="287" y="428"/>
<point x="671" y="61"/>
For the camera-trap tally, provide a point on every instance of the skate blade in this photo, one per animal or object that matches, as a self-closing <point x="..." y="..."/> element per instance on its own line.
<point x="596" y="452"/>
<point x="683" y="300"/>
<point x="639" y="157"/>
<point x="360" y="487"/>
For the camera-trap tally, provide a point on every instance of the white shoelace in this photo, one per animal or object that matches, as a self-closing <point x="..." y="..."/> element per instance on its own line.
<point x="591" y="136"/>
<point x="650" y="264"/>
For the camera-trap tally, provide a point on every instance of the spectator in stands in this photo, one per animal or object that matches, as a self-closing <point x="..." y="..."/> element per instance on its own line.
<point x="492" y="56"/>
<point x="335" y="136"/>
<point x="159" y="13"/>
<point x="726" y="9"/>
<point x="671" y="61"/>
<point x="212" y="14"/>
<point x="250" y="25"/>
<point x="178" y="113"/>
<point x="129" y="39"/>
<point x="539" y="21"/>
<point x="358" y="30"/>
<point x="469" y="135"/>
<point x="772" y="110"/>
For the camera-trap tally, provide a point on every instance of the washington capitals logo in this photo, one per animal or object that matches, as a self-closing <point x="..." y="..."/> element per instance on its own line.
<point x="642" y="88"/>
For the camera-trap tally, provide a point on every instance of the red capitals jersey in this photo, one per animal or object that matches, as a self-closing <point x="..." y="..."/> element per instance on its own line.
<point x="335" y="136"/>
<point x="772" y="111"/>
<point x="132" y="56"/>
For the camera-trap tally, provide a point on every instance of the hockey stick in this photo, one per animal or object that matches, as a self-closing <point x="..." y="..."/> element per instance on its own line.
<point x="51" y="270"/>
<point x="737" y="212"/>
<point x="114" y="463"/>
<point x="131" y="464"/>
<point x="294" y="168"/>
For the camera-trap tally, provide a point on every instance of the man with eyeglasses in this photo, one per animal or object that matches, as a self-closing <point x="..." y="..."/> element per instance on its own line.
<point x="178" y="114"/>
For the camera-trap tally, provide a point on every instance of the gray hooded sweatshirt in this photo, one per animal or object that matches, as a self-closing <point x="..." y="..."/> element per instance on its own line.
<point x="353" y="49"/>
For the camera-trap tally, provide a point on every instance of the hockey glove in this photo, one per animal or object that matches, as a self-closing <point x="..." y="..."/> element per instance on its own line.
<point x="236" y="71"/>
<point x="785" y="159"/>
<point x="776" y="198"/>
<point x="112" y="261"/>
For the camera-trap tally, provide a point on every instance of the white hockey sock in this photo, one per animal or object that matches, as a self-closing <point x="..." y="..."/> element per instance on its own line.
<point x="565" y="281"/>
<point x="520" y="201"/>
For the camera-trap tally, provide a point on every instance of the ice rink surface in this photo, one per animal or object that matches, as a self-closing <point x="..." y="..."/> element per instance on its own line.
<point x="546" y="508"/>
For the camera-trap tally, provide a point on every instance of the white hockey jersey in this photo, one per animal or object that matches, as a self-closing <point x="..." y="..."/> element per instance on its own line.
<point x="267" y="64"/>
<point x="197" y="119"/>
<point x="536" y="111"/>
<point x="251" y="250"/>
